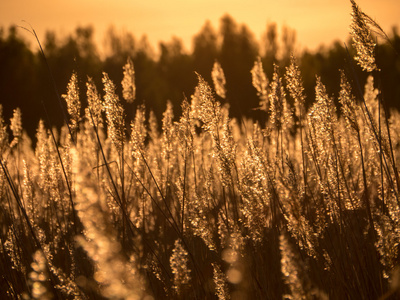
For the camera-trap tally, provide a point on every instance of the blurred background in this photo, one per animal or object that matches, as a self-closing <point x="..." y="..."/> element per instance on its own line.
<point x="169" y="40"/>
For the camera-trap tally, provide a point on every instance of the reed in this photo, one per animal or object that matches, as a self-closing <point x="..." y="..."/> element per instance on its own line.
<point x="305" y="206"/>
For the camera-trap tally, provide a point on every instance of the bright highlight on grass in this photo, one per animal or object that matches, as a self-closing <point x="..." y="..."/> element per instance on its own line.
<point x="305" y="206"/>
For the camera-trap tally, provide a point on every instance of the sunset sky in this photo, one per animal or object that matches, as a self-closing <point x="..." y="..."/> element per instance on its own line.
<point x="315" y="21"/>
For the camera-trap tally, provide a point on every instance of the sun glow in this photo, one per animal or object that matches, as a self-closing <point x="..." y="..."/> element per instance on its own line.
<point x="315" y="21"/>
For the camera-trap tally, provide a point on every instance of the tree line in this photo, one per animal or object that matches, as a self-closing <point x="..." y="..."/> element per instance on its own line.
<point x="29" y="81"/>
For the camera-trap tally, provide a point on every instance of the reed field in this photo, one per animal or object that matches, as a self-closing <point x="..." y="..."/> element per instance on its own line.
<point x="204" y="205"/>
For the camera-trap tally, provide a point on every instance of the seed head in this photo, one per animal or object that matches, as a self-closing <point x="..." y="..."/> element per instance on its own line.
<point x="361" y="35"/>
<point x="128" y="83"/>
<point x="349" y="107"/>
<point x="95" y="106"/>
<point x="218" y="78"/>
<point x="295" y="86"/>
<point x="276" y="99"/>
<point x="179" y="265"/>
<point x="114" y="113"/>
<point x="260" y="82"/>
<point x="16" y="126"/>
<point x="73" y="103"/>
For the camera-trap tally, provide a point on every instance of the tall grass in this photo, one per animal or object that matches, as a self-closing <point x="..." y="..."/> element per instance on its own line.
<point x="305" y="206"/>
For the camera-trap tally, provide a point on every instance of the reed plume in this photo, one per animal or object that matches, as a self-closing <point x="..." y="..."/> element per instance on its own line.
<point x="16" y="127"/>
<point x="115" y="114"/>
<point x="260" y="83"/>
<point x="128" y="82"/>
<point x="362" y="39"/>
<point x="218" y="78"/>
<point x="73" y="102"/>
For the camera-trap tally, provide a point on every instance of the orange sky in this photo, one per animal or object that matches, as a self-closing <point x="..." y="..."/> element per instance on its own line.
<point x="315" y="21"/>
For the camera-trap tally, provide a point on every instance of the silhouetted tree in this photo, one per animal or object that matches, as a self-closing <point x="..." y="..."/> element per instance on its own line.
<point x="119" y="44"/>
<point x="26" y="82"/>
<point x="288" y="44"/>
<point x="388" y="60"/>
<point x="237" y="55"/>
<point x="175" y="67"/>
<point x="18" y="78"/>
<point x="205" y="51"/>
<point x="77" y="52"/>
<point x="269" y="42"/>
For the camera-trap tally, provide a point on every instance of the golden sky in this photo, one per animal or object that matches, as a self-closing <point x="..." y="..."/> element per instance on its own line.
<point x="315" y="21"/>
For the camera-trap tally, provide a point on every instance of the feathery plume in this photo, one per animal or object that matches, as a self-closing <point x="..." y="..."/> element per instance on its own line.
<point x="179" y="265"/>
<point x="323" y="111"/>
<point x="95" y="107"/>
<point x="128" y="82"/>
<point x="349" y="107"/>
<point x="218" y="78"/>
<point x="72" y="100"/>
<point x="139" y="130"/>
<point x="3" y="131"/>
<point x="260" y="82"/>
<point x="295" y="86"/>
<point x="221" y="286"/>
<point x="371" y="98"/>
<point x="16" y="127"/>
<point x="361" y="35"/>
<point x="185" y="127"/>
<point x="114" y="113"/>
<point x="208" y="108"/>
<point x="276" y="99"/>
<point x="168" y="131"/>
